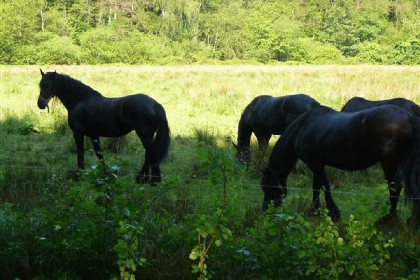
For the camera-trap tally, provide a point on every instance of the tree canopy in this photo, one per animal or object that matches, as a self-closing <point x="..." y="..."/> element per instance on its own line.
<point x="209" y="31"/>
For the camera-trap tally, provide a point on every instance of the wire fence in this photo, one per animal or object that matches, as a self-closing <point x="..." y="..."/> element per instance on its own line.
<point x="361" y="191"/>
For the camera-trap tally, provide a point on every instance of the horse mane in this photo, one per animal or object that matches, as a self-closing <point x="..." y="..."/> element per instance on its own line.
<point x="75" y="87"/>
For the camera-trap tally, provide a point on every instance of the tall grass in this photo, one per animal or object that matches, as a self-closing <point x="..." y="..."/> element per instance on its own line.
<point x="201" y="102"/>
<point x="213" y="96"/>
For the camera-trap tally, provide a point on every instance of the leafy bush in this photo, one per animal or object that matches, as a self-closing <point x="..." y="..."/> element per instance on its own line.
<point x="111" y="45"/>
<point x="372" y="52"/>
<point x="309" y="51"/>
<point x="299" y="248"/>
<point x="408" y="52"/>
<point x="58" y="50"/>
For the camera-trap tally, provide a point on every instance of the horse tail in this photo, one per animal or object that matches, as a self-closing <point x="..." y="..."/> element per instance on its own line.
<point x="411" y="169"/>
<point x="162" y="138"/>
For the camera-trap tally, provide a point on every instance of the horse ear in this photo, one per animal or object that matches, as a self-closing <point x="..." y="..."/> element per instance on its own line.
<point x="42" y="72"/>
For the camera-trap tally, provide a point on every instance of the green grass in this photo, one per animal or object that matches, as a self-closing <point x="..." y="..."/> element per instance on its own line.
<point x="203" y="105"/>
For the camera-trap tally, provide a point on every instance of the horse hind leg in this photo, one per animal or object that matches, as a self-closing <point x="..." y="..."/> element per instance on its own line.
<point x="147" y="142"/>
<point x="394" y="187"/>
<point x="263" y="139"/>
<point x="98" y="151"/>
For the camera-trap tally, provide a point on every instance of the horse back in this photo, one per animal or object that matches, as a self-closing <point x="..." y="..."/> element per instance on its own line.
<point x="359" y="103"/>
<point x="274" y="114"/>
<point x="353" y="141"/>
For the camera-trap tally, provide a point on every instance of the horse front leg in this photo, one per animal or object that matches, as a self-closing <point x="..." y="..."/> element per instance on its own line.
<point x="243" y="152"/>
<point x="78" y="138"/>
<point x="394" y="195"/>
<point x="321" y="178"/>
<point x="316" y="189"/>
<point x="263" y="140"/>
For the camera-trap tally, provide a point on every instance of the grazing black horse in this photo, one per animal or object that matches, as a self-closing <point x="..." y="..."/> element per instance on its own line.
<point x="359" y="103"/>
<point x="266" y="116"/>
<point x="93" y="115"/>
<point x="349" y="141"/>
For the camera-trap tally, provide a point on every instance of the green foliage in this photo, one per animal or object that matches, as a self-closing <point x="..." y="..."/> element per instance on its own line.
<point x="58" y="50"/>
<point x="213" y="228"/>
<point x="111" y="45"/>
<point x="308" y="51"/>
<point x="174" y="32"/>
<point x="357" y="250"/>
<point x="322" y="249"/>
<point x="373" y="53"/>
<point x="408" y="52"/>
<point x="127" y="248"/>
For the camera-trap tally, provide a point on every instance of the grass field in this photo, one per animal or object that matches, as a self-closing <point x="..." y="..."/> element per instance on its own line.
<point x="203" y="105"/>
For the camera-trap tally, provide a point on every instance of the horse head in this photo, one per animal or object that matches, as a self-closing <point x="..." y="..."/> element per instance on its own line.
<point x="243" y="154"/>
<point x="47" y="88"/>
<point x="274" y="190"/>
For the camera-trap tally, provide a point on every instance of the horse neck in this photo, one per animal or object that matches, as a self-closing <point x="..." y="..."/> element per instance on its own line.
<point x="283" y="158"/>
<point x="244" y="133"/>
<point x="71" y="92"/>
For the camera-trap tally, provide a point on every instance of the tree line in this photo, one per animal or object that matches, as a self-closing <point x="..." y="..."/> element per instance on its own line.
<point x="209" y="31"/>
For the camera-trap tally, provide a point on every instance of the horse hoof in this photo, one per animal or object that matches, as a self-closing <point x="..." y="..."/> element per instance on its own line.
<point x="413" y="222"/>
<point x="335" y="215"/>
<point x="141" y="179"/>
<point x="77" y="175"/>
<point x="155" y="180"/>
<point x="387" y="219"/>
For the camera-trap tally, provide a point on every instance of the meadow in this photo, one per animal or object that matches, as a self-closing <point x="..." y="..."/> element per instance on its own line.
<point x="204" y="220"/>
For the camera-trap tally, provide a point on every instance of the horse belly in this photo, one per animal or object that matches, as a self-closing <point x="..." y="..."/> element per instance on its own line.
<point x="110" y="130"/>
<point x="353" y="163"/>
<point x="338" y="151"/>
<point x="108" y="127"/>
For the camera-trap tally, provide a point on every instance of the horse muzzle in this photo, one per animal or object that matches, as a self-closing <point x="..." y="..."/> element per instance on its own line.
<point x="43" y="103"/>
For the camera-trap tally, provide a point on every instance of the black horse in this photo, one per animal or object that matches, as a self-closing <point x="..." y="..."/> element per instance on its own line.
<point x="93" y="115"/>
<point x="359" y="103"/>
<point x="349" y="141"/>
<point x="266" y="116"/>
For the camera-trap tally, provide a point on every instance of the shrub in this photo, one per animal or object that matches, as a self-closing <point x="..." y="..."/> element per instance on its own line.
<point x="372" y="52"/>
<point x="110" y="45"/>
<point x="296" y="248"/>
<point x="309" y="51"/>
<point x="408" y="52"/>
<point x="58" y="50"/>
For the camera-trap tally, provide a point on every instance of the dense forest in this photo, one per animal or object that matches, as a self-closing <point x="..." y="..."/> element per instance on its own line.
<point x="209" y="31"/>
